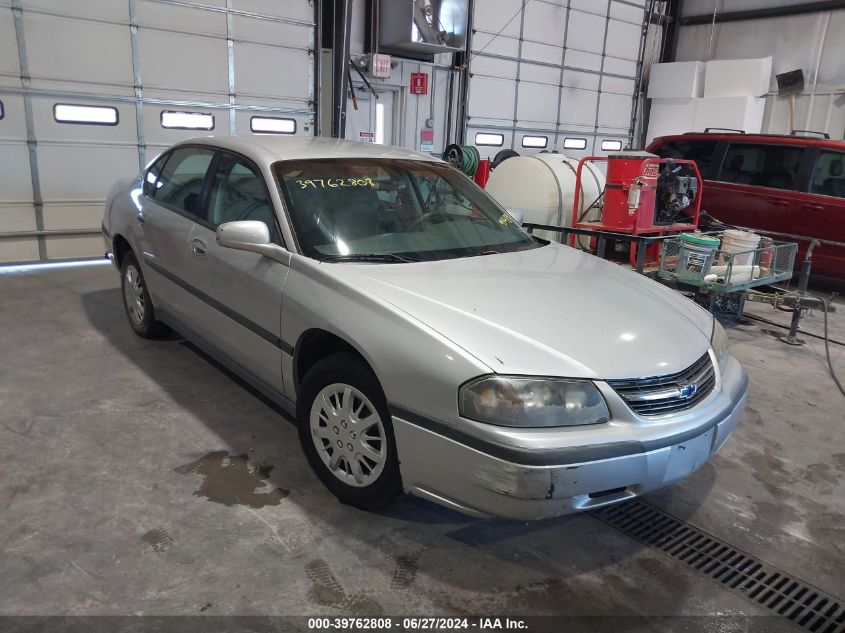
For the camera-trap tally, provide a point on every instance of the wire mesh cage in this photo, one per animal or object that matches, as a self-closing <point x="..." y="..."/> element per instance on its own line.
<point x="725" y="271"/>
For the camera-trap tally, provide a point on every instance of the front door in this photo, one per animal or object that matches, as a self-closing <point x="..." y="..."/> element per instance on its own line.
<point x="757" y="186"/>
<point x="166" y="216"/>
<point x="242" y="291"/>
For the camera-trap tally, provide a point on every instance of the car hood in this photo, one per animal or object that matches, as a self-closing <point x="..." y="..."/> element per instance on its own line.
<point x="551" y="311"/>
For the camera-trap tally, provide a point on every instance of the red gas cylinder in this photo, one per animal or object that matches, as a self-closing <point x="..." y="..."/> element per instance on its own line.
<point x="630" y="191"/>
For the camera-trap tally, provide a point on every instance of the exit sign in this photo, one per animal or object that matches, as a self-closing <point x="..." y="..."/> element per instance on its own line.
<point x="419" y="83"/>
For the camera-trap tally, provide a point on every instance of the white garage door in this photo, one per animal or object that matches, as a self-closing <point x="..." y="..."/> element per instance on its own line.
<point x="559" y="75"/>
<point x="91" y="90"/>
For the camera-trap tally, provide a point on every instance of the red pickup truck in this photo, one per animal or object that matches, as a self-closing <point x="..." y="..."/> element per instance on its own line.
<point x="789" y="187"/>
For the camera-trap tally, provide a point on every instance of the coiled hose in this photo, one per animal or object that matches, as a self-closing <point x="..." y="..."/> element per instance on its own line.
<point x="464" y="158"/>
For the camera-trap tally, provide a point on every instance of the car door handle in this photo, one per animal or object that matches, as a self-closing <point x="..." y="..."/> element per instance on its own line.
<point x="781" y="203"/>
<point x="198" y="247"/>
<point x="140" y="217"/>
<point x="813" y="207"/>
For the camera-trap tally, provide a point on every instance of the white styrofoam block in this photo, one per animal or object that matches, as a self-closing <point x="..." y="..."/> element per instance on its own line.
<point x="670" y="116"/>
<point x="676" y="80"/>
<point x="738" y="113"/>
<point x="738" y="77"/>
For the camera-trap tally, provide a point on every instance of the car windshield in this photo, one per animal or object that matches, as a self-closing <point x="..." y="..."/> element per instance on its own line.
<point x="392" y="211"/>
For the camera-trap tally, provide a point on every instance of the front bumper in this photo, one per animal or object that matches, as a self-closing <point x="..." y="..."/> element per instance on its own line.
<point x="510" y="481"/>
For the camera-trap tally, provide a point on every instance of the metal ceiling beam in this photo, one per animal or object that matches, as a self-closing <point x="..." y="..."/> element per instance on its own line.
<point x="771" y="12"/>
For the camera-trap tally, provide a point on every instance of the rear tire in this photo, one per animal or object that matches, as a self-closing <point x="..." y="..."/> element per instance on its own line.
<point x="346" y="432"/>
<point x="136" y="300"/>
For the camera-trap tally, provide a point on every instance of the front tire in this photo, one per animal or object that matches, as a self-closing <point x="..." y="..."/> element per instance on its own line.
<point x="346" y="432"/>
<point x="136" y="300"/>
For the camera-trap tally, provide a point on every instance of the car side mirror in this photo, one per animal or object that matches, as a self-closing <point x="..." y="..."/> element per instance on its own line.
<point x="252" y="236"/>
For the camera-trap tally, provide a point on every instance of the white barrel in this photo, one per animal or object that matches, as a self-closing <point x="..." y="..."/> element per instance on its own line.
<point x="735" y="241"/>
<point x="542" y="187"/>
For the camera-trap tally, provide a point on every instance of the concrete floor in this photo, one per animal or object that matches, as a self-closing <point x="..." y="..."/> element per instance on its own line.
<point x="124" y="490"/>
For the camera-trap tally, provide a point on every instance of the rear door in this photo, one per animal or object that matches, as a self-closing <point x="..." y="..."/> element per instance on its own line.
<point x="821" y="213"/>
<point x="757" y="185"/>
<point x="240" y="293"/>
<point x="173" y="190"/>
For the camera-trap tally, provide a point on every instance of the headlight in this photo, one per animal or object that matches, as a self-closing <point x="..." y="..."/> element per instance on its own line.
<point x="720" y="344"/>
<point x="532" y="402"/>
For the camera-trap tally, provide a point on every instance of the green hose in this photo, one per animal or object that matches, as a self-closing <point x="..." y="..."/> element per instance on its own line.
<point x="464" y="158"/>
<point x="471" y="159"/>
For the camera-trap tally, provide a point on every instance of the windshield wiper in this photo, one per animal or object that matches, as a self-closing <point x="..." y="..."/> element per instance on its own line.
<point x="369" y="257"/>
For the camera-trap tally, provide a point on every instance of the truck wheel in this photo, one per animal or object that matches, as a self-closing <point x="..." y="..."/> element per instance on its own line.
<point x="136" y="300"/>
<point x="346" y="432"/>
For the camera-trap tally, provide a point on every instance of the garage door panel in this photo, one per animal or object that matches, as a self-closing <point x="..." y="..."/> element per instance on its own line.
<point x="106" y="10"/>
<point x="542" y="53"/>
<point x="292" y="9"/>
<point x="596" y="7"/>
<point x="269" y="71"/>
<point x="54" y="52"/>
<point x="194" y="20"/>
<point x="165" y="65"/>
<point x="271" y="32"/>
<point x="623" y="39"/>
<point x="622" y="11"/>
<point x="491" y="45"/>
<point x="618" y="85"/>
<point x="8" y="45"/>
<point x="615" y="111"/>
<point x="18" y="249"/>
<point x="545" y="22"/>
<point x="494" y="16"/>
<point x="47" y="129"/>
<point x="620" y="66"/>
<point x="16" y="217"/>
<point x="13" y="123"/>
<point x="582" y="60"/>
<point x="494" y="67"/>
<point x="586" y="32"/>
<point x="74" y="246"/>
<point x="72" y="216"/>
<point x="578" y="79"/>
<point x="578" y="107"/>
<point x="17" y="187"/>
<point x="539" y="74"/>
<point x="492" y="98"/>
<point x="537" y="102"/>
<point x="80" y="172"/>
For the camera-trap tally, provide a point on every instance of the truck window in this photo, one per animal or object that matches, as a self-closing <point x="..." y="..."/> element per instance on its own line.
<point x="828" y="176"/>
<point x="699" y="151"/>
<point x="762" y="165"/>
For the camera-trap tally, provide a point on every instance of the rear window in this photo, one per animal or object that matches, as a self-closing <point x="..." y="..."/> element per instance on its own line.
<point x="762" y="165"/>
<point x="699" y="151"/>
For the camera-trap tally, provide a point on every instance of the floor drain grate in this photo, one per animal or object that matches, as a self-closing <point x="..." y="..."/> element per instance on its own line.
<point x="738" y="571"/>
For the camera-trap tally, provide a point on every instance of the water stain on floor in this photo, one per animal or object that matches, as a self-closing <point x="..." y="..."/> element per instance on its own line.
<point x="233" y="480"/>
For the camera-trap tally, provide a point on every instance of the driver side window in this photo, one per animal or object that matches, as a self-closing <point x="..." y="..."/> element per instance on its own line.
<point x="238" y="193"/>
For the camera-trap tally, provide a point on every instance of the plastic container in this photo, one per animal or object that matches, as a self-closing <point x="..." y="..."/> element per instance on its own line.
<point x="742" y="242"/>
<point x="696" y="255"/>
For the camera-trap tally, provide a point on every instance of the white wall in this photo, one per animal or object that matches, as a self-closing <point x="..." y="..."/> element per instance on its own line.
<point x="808" y="42"/>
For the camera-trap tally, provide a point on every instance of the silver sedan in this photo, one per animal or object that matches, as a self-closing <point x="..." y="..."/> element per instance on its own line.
<point x="423" y="341"/>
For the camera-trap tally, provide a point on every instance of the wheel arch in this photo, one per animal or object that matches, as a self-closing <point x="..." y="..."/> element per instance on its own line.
<point x="120" y="246"/>
<point x="314" y="345"/>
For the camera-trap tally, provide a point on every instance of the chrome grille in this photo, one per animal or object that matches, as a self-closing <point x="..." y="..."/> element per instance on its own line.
<point x="660" y="395"/>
